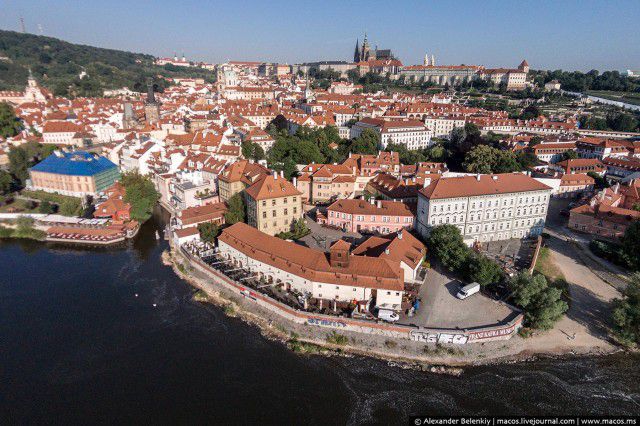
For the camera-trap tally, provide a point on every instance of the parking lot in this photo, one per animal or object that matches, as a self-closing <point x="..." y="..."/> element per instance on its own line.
<point x="441" y="308"/>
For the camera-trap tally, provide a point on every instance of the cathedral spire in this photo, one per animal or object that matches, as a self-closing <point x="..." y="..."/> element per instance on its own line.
<point x="356" y="54"/>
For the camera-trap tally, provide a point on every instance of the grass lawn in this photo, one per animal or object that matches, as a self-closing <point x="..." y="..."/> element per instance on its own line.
<point x="546" y="266"/>
<point x="18" y="206"/>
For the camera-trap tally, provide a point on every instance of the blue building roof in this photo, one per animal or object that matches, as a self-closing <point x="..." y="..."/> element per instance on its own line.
<point x="77" y="163"/>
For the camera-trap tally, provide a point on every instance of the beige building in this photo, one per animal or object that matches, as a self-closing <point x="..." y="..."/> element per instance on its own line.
<point x="273" y="203"/>
<point x="238" y="176"/>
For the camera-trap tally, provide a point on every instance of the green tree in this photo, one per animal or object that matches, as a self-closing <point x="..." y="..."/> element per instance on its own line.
<point x="236" y="210"/>
<point x="141" y="194"/>
<point x="6" y="182"/>
<point x="446" y="244"/>
<point x="481" y="159"/>
<point x="483" y="270"/>
<point x="631" y="244"/>
<point x="10" y="125"/>
<point x="300" y="228"/>
<point x="626" y="313"/>
<point x="569" y="155"/>
<point x="46" y="207"/>
<point x="70" y="207"/>
<point x="542" y="304"/>
<point x="253" y="151"/>
<point x="366" y="143"/>
<point x="208" y="232"/>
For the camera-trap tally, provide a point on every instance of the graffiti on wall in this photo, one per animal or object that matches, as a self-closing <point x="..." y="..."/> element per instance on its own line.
<point x="326" y="323"/>
<point x="431" y="337"/>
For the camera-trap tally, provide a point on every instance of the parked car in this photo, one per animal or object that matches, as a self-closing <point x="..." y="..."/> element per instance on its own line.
<point x="468" y="290"/>
<point x="388" y="315"/>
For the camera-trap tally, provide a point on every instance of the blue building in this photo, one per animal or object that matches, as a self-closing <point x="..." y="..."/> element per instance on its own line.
<point x="77" y="174"/>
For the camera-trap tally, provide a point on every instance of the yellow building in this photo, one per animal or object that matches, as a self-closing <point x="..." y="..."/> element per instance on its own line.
<point x="273" y="203"/>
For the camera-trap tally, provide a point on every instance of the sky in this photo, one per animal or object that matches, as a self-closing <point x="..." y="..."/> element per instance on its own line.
<point x="559" y="34"/>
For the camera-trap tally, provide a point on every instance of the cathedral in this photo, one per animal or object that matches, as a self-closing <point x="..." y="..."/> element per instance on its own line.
<point x="365" y="53"/>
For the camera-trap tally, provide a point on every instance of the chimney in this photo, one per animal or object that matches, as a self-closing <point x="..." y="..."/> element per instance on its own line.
<point x="281" y="173"/>
<point x="478" y="177"/>
<point x="379" y="204"/>
<point x="295" y="181"/>
<point x="275" y="175"/>
<point x="349" y="154"/>
<point x="494" y="177"/>
<point x="400" y="234"/>
<point x="426" y="182"/>
<point x="386" y="251"/>
<point x="372" y="201"/>
<point x="616" y="188"/>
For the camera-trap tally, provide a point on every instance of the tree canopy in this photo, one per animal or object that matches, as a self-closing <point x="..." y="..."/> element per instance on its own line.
<point x="626" y="313"/>
<point x="141" y="194"/>
<point x="236" y="210"/>
<point x="10" y="125"/>
<point x="208" y="232"/>
<point x="542" y="304"/>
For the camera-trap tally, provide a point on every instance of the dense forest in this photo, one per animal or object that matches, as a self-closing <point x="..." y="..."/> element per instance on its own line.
<point x="57" y="65"/>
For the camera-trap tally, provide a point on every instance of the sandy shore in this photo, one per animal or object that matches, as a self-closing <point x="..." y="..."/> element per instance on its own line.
<point x="568" y="338"/>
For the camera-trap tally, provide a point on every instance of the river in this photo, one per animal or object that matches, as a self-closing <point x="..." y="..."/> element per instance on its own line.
<point x="112" y="336"/>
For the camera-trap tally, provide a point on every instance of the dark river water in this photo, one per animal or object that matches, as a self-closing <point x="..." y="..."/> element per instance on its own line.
<point x="78" y="346"/>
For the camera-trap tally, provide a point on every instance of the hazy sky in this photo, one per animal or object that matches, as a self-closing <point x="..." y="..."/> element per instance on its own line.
<point x="568" y="34"/>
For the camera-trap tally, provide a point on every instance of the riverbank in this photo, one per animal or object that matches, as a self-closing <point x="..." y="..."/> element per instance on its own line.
<point x="567" y="339"/>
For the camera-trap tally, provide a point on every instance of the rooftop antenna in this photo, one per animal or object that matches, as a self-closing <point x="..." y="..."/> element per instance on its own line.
<point x="22" y="27"/>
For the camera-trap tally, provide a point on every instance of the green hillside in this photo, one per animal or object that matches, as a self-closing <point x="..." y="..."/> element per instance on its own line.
<point x="57" y="64"/>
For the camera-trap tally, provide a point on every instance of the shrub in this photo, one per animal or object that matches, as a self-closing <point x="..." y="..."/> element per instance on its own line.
<point x="337" y="338"/>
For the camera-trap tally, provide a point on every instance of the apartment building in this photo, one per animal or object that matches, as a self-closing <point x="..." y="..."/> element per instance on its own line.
<point x="273" y="203"/>
<point x="408" y="132"/>
<point x="369" y="216"/>
<point x="238" y="176"/>
<point x="485" y="207"/>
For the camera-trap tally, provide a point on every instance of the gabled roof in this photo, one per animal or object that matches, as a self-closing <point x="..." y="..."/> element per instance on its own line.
<point x="271" y="187"/>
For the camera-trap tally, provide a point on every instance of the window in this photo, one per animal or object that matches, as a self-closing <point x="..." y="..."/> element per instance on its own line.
<point x="286" y="212"/>
<point x="264" y="203"/>
<point x="264" y="215"/>
<point x="295" y="210"/>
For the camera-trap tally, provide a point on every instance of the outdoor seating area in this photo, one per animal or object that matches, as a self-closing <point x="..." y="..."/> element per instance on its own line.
<point x="276" y="290"/>
<point x="100" y="236"/>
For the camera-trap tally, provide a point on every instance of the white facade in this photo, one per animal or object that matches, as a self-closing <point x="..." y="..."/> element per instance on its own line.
<point x="490" y="217"/>
<point x="390" y="299"/>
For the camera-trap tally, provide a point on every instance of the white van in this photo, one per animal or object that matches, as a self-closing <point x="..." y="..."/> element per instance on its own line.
<point x="388" y="315"/>
<point x="468" y="290"/>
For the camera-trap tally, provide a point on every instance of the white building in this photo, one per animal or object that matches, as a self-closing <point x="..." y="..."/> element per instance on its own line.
<point x="408" y="132"/>
<point x="329" y="278"/>
<point x="484" y="207"/>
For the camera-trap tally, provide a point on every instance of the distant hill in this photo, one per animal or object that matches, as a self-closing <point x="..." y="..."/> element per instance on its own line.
<point x="57" y="65"/>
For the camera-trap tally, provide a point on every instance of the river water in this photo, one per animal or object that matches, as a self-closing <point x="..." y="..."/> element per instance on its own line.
<point x="82" y="342"/>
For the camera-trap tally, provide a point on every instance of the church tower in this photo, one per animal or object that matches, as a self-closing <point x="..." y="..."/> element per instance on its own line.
<point x="356" y="54"/>
<point x="151" y="106"/>
<point x="364" y="55"/>
<point x="426" y="59"/>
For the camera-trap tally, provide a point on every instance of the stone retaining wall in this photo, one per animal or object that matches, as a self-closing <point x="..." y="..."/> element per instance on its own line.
<point x="420" y="334"/>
